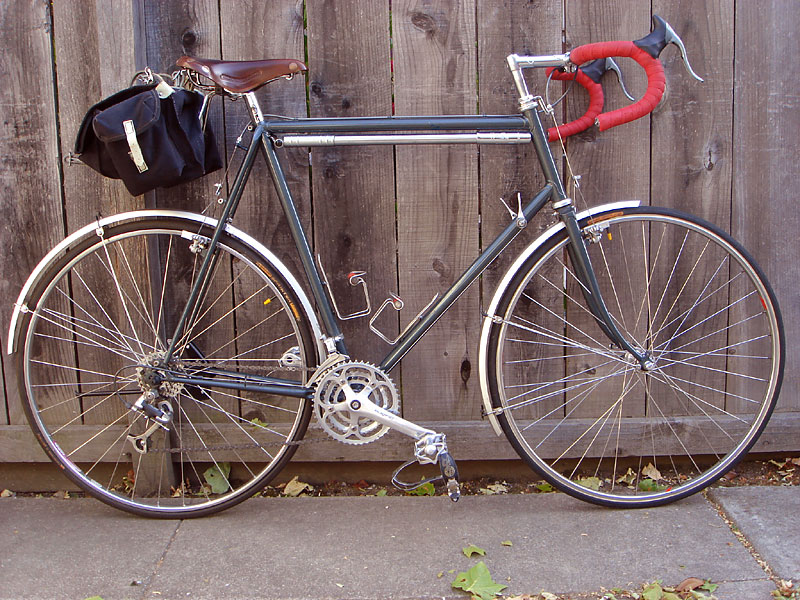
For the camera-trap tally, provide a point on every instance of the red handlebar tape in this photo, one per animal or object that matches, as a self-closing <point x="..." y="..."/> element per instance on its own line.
<point x="652" y="68"/>
<point x="595" y="104"/>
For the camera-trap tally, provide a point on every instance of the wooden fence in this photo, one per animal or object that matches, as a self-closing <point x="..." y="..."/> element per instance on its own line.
<point x="411" y="218"/>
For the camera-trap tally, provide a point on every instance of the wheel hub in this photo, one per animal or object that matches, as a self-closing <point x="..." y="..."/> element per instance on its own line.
<point x="150" y="376"/>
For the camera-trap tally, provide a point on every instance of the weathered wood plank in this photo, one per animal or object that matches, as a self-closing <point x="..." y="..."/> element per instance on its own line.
<point x="472" y="440"/>
<point x="32" y="210"/>
<point x="765" y="125"/>
<point x="170" y="31"/>
<point x="89" y="68"/>
<point x="614" y="164"/>
<point x="505" y="28"/>
<point x="434" y="62"/>
<point x="691" y="161"/>
<point x="268" y="30"/>
<point x="353" y="188"/>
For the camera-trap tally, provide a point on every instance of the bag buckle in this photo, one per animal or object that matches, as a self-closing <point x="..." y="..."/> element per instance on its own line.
<point x="133" y="144"/>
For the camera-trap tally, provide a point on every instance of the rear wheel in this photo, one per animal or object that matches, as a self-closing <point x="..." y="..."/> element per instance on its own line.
<point x="97" y="332"/>
<point x="583" y="413"/>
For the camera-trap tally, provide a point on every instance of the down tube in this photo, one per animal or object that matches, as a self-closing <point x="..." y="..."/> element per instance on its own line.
<point x="466" y="279"/>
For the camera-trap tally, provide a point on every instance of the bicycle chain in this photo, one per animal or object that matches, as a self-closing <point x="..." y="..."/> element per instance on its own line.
<point x="236" y="446"/>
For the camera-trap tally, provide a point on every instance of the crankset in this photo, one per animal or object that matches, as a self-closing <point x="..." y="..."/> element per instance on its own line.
<point x="357" y="403"/>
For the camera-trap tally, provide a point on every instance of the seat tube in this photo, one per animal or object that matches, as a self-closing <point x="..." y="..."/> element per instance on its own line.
<point x="303" y="247"/>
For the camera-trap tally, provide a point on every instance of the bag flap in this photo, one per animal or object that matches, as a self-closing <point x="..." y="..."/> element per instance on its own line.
<point x="86" y="131"/>
<point x="143" y="109"/>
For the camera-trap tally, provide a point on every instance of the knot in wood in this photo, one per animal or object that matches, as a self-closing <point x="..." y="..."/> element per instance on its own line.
<point x="189" y="38"/>
<point x="424" y="22"/>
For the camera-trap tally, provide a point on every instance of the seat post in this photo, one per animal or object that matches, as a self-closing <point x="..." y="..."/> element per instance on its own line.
<point x="255" y="108"/>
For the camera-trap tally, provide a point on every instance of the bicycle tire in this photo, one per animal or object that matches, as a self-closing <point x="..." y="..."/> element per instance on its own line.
<point x="588" y="418"/>
<point x="98" y="316"/>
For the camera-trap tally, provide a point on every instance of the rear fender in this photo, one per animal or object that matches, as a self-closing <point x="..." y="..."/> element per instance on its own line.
<point x="22" y="305"/>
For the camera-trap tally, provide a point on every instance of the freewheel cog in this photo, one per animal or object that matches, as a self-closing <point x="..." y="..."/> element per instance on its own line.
<point x="344" y="384"/>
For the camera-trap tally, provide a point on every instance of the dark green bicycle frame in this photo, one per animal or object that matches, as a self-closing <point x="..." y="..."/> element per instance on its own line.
<point x="266" y="138"/>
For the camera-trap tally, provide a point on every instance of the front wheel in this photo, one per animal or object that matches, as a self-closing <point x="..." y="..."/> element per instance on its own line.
<point x="584" y="413"/>
<point x="97" y="329"/>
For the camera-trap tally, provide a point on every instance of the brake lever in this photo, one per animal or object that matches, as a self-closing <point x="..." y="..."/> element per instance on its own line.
<point x="662" y="35"/>
<point x="597" y="68"/>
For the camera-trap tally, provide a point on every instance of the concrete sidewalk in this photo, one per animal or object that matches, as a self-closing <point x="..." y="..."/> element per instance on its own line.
<point x="395" y="547"/>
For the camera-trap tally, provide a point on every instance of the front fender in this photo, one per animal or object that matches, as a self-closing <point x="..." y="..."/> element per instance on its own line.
<point x="501" y="289"/>
<point x="21" y="306"/>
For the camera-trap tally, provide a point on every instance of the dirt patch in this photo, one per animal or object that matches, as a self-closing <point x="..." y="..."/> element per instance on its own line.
<point x="765" y="471"/>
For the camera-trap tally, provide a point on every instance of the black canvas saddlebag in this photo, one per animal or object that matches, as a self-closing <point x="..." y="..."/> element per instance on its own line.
<point x="149" y="136"/>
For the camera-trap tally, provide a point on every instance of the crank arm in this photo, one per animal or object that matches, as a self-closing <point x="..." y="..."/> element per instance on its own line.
<point x="366" y="408"/>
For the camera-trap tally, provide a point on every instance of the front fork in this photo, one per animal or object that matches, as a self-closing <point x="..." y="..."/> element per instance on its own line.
<point x="584" y="272"/>
<point x="578" y="255"/>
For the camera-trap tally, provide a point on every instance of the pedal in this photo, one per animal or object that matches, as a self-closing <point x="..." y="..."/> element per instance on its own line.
<point x="447" y="465"/>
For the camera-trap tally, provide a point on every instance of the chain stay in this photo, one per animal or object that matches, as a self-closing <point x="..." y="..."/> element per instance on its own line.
<point x="236" y="446"/>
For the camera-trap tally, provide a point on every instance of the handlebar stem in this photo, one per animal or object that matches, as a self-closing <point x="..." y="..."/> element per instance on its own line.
<point x="516" y="63"/>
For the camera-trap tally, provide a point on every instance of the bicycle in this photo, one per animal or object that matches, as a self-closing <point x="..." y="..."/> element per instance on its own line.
<point x="172" y="364"/>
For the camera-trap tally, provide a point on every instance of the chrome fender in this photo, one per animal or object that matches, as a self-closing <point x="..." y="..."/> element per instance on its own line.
<point x="21" y="305"/>
<point x="501" y="289"/>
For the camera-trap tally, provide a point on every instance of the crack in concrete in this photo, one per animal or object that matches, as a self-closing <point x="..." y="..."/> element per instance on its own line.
<point x="748" y="545"/>
<point x="147" y="583"/>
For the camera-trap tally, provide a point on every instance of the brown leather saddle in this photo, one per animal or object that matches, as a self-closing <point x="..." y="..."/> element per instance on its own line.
<point x="242" y="76"/>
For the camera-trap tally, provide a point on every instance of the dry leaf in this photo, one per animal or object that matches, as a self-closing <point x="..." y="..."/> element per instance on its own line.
<point x="687" y="585"/>
<point x="628" y="478"/>
<point x="294" y="488"/>
<point x="651" y="472"/>
<point x="6" y="494"/>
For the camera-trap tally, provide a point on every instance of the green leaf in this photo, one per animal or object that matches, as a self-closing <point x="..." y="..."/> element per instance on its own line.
<point x="473" y="549"/>
<point x="652" y="592"/>
<point x="256" y="422"/>
<point x="545" y="487"/>
<point x="381" y="492"/>
<point x="217" y="477"/>
<point x="708" y="586"/>
<point x="94" y="598"/>
<point x="593" y="483"/>
<point x="648" y="485"/>
<point x="670" y="596"/>
<point x="506" y="543"/>
<point x="478" y="582"/>
<point x="426" y="489"/>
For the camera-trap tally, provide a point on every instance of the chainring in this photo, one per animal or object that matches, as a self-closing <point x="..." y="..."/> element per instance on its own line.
<point x="346" y="381"/>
